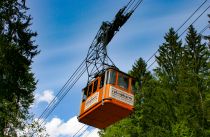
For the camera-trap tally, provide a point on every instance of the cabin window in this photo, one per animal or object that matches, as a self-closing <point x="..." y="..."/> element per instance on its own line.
<point x="112" y="77"/>
<point x="102" y="81"/>
<point x="123" y="81"/>
<point x="90" y="89"/>
<point x="84" y="94"/>
<point x="95" y="86"/>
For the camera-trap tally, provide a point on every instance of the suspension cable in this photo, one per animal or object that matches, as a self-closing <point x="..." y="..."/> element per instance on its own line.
<point x="191" y="16"/>
<point x="61" y="90"/>
<point x="70" y="87"/>
<point x="136" y="6"/>
<point x="84" y="132"/>
<point x="200" y="33"/>
<point x="79" y="130"/>
<point x="180" y="28"/>
<point x="56" y="100"/>
<point x="129" y="5"/>
<point x="195" y="20"/>
<point x="205" y="28"/>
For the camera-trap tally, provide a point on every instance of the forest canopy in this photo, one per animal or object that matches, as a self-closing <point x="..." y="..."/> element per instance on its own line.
<point x="174" y="100"/>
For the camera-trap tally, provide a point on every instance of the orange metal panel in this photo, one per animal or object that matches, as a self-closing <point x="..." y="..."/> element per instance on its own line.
<point x="105" y="115"/>
<point x="102" y="115"/>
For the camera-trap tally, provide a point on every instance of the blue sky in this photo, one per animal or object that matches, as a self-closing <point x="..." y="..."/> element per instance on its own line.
<point x="66" y="29"/>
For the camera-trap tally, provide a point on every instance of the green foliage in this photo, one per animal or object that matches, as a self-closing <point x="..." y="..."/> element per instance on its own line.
<point x="169" y="57"/>
<point x="181" y="130"/>
<point x="196" y="60"/>
<point x="122" y="128"/>
<point x="175" y="102"/>
<point x="157" y="113"/>
<point x="17" y="82"/>
<point x="139" y="72"/>
<point x="33" y="129"/>
<point x="196" y="53"/>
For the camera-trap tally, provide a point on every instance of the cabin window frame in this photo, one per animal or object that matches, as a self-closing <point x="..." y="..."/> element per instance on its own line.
<point x="95" y="85"/>
<point x="84" y="96"/>
<point x="102" y="78"/>
<point x="123" y="84"/>
<point x="112" y="78"/>
<point x="90" y="89"/>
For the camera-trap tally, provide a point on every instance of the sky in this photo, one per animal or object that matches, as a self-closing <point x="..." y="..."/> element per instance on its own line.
<point x="66" y="29"/>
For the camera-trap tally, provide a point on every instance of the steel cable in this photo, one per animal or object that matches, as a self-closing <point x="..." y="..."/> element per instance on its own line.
<point x="183" y="31"/>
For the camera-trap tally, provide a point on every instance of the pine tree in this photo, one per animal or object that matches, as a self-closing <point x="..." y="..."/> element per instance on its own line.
<point x="183" y="71"/>
<point x="158" y="114"/>
<point x="143" y="76"/>
<point x="207" y="95"/>
<point x="170" y="53"/>
<point x="17" y="50"/>
<point x="194" y="80"/>
<point x="139" y="72"/>
<point x="196" y="52"/>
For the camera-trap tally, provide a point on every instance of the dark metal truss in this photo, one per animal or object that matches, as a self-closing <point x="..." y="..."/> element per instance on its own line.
<point x="97" y="59"/>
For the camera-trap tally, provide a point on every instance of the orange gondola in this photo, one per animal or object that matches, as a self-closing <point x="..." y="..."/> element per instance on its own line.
<point x="107" y="99"/>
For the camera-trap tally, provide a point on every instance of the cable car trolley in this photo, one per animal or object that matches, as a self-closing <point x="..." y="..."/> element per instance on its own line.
<point x="109" y="94"/>
<point x="107" y="99"/>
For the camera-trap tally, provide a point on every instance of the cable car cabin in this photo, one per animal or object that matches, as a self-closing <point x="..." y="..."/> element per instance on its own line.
<point x="107" y="99"/>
